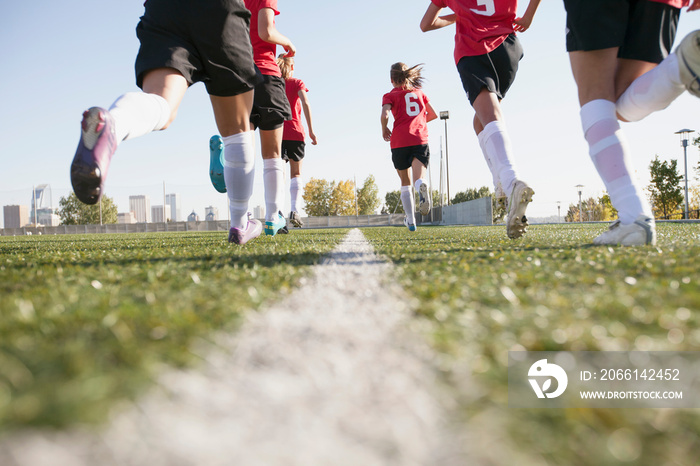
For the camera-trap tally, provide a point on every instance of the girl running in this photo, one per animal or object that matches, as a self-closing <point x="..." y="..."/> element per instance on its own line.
<point x="411" y="110"/>
<point x="487" y="53"/>
<point x="293" y="137"/>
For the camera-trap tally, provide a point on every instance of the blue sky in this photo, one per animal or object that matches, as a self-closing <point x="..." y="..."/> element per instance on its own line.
<point x="60" y="58"/>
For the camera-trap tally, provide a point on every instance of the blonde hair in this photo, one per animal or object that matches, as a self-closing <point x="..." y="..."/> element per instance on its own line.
<point x="285" y="64"/>
<point x="407" y="78"/>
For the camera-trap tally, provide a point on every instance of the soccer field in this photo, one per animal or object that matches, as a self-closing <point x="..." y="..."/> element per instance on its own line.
<point x="88" y="320"/>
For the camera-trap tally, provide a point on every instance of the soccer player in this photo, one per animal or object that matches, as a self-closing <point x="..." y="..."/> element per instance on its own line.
<point x="487" y="53"/>
<point x="611" y="43"/>
<point x="293" y="144"/>
<point x="411" y="110"/>
<point x="217" y="51"/>
<point x="270" y="106"/>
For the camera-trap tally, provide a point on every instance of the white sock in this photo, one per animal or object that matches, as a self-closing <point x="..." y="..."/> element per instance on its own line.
<point x="652" y="91"/>
<point x="497" y="149"/>
<point x="295" y="186"/>
<point x="273" y="177"/>
<point x="418" y="182"/>
<point x="239" y="175"/>
<point x="408" y="204"/>
<point x="609" y="152"/>
<point x="138" y="113"/>
<point x="494" y="173"/>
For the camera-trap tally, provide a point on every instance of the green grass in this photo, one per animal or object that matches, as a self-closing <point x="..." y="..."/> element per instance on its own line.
<point x="86" y="319"/>
<point x="484" y="295"/>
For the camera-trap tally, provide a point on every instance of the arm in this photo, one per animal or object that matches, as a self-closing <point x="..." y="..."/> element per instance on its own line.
<point x="307" y="113"/>
<point x="386" y="132"/>
<point x="431" y="112"/>
<point x="269" y="33"/>
<point x="432" y="21"/>
<point x="522" y="24"/>
<point x="695" y="5"/>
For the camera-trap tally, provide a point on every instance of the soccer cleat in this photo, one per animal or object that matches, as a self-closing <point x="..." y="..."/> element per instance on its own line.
<point x="516" y="223"/>
<point x="97" y="145"/>
<point x="424" y="199"/>
<point x="216" y="163"/>
<point x="688" y="52"/>
<point x="641" y="232"/>
<point x="295" y="219"/>
<point x="252" y="231"/>
<point x="273" y="227"/>
<point x="410" y="226"/>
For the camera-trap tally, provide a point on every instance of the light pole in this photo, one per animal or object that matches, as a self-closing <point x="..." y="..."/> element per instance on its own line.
<point x="685" y="135"/>
<point x="558" y="211"/>
<point x="580" y="213"/>
<point x="445" y="116"/>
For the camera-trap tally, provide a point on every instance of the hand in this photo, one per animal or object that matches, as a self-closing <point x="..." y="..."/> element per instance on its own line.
<point x="523" y="24"/>
<point x="314" y="141"/>
<point x="290" y="49"/>
<point x="386" y="133"/>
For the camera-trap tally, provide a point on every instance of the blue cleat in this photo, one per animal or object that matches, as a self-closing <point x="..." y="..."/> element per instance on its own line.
<point x="272" y="228"/>
<point x="216" y="163"/>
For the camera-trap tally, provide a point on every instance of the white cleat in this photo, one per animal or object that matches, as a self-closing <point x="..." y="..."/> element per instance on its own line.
<point x="688" y="52"/>
<point x="639" y="233"/>
<point x="516" y="223"/>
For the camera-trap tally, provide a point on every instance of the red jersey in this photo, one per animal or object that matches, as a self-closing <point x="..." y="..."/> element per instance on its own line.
<point x="674" y="3"/>
<point x="264" y="53"/>
<point x="482" y="25"/>
<point x="293" y="129"/>
<point x="409" y="110"/>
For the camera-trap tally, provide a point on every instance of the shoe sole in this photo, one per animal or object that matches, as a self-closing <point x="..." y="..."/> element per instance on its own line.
<point x="424" y="206"/>
<point x="86" y="173"/>
<point x="296" y="222"/>
<point x="685" y="51"/>
<point x="517" y="222"/>
<point x="216" y="168"/>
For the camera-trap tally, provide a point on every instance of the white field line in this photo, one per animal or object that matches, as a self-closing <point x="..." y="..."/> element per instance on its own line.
<point x="331" y="375"/>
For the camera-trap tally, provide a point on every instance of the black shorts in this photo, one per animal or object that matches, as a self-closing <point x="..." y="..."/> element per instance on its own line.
<point x="270" y="105"/>
<point x="494" y="70"/>
<point x="293" y="150"/>
<point x="642" y="29"/>
<point x="403" y="156"/>
<point x="205" y="40"/>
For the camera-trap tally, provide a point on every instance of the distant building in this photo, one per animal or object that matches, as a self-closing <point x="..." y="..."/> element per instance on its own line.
<point x="193" y="217"/>
<point x="41" y="201"/>
<point x="157" y="213"/>
<point x="126" y="217"/>
<point x="47" y="217"/>
<point x="211" y="214"/>
<point x="175" y="205"/>
<point x="15" y="216"/>
<point x="259" y="212"/>
<point x="141" y="207"/>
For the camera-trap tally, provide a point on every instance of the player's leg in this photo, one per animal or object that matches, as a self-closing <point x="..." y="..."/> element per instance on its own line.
<point x="403" y="159"/>
<point x="642" y="87"/>
<point x="419" y="171"/>
<point x="295" y="191"/>
<point x="273" y="179"/>
<point x="594" y="73"/>
<point x="232" y="119"/>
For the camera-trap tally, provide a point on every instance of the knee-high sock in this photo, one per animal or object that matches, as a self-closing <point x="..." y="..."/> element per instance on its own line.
<point x="138" y="113"/>
<point x="652" y="91"/>
<point x="273" y="177"/>
<point x="494" y="174"/>
<point x="239" y="175"/>
<point x="497" y="148"/>
<point x="609" y="153"/>
<point x="408" y="204"/>
<point x="295" y="185"/>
